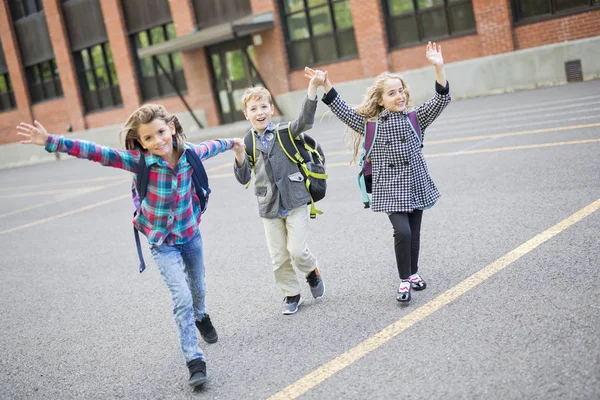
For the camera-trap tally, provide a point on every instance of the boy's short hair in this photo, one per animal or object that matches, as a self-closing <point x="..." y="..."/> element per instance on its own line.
<point x="256" y="93"/>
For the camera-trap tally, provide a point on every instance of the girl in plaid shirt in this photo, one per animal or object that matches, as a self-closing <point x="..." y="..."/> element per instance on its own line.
<point x="169" y="215"/>
<point x="401" y="185"/>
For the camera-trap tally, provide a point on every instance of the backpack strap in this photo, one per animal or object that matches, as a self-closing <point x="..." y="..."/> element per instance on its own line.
<point x="199" y="177"/>
<point x="414" y="124"/>
<point x="141" y="185"/>
<point x="370" y="134"/>
<point x="289" y="145"/>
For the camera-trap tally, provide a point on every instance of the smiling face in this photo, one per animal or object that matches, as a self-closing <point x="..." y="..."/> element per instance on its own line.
<point x="393" y="97"/>
<point x="157" y="137"/>
<point x="259" y="112"/>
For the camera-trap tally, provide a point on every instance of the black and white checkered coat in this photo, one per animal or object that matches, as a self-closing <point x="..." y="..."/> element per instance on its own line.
<point x="401" y="182"/>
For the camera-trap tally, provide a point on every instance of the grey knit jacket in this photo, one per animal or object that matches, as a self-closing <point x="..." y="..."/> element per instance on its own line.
<point x="278" y="182"/>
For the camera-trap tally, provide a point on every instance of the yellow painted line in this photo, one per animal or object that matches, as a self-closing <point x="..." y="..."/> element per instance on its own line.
<point x="507" y="134"/>
<point x="38" y="205"/>
<point x="492" y="150"/>
<point x="60" y="183"/>
<point x="509" y="148"/>
<point x="327" y="370"/>
<point x="48" y="192"/>
<point x="75" y="211"/>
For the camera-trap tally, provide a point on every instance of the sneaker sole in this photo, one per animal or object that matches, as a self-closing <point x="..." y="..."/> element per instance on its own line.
<point x="286" y="312"/>
<point x="198" y="382"/>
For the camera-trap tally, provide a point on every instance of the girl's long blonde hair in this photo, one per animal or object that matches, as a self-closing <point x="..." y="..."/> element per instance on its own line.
<point x="370" y="108"/>
<point x="144" y="115"/>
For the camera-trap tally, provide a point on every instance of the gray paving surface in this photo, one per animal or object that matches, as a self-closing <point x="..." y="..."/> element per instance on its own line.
<point x="79" y="321"/>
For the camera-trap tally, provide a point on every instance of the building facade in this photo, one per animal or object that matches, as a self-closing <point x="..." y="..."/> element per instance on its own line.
<point x="82" y="64"/>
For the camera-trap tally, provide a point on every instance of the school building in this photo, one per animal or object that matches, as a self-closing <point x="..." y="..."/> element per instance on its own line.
<point x="81" y="64"/>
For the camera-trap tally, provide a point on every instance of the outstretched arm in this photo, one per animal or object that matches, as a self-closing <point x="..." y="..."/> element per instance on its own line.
<point x="37" y="134"/>
<point x="433" y="53"/>
<point x="338" y="106"/>
<point x="430" y="110"/>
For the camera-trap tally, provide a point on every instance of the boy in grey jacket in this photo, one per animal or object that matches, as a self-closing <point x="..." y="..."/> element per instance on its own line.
<point x="281" y="193"/>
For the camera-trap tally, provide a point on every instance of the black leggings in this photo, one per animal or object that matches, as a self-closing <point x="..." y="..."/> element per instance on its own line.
<point x="407" y="240"/>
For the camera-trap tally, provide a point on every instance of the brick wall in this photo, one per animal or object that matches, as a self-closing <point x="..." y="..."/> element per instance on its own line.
<point x="556" y="30"/>
<point x="462" y="48"/>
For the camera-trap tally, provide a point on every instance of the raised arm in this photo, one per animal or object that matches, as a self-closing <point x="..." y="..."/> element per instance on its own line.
<point x="107" y="156"/>
<point x="211" y="148"/>
<point x="430" y="110"/>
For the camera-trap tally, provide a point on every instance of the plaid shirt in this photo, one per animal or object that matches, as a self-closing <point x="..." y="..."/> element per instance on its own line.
<point x="401" y="181"/>
<point x="170" y="212"/>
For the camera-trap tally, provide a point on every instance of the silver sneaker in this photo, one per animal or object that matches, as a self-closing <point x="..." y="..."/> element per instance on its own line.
<point x="317" y="287"/>
<point x="291" y="304"/>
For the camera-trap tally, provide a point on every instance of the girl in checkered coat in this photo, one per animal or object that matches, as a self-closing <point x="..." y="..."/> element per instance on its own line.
<point x="401" y="185"/>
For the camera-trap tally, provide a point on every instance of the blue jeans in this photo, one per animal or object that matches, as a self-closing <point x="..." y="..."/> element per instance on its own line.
<point x="182" y="268"/>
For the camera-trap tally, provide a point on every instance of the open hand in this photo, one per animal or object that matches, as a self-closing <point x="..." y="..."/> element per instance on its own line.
<point x="434" y="54"/>
<point x="33" y="134"/>
<point x="317" y="77"/>
<point x="238" y="146"/>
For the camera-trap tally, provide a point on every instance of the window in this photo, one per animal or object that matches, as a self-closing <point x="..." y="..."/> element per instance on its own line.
<point x="416" y="21"/>
<point x="43" y="81"/>
<point x="153" y="81"/>
<point x="22" y="8"/>
<point x="7" y="98"/>
<point x="97" y="77"/>
<point x="524" y="9"/>
<point x="318" y="31"/>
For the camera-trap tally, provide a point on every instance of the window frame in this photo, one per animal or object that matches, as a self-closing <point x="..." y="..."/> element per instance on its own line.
<point x="156" y="73"/>
<point x="10" y="93"/>
<point x="520" y="21"/>
<point x="23" y="8"/>
<point x="311" y="39"/>
<point x="82" y="73"/>
<point x="35" y="71"/>
<point x="416" y="13"/>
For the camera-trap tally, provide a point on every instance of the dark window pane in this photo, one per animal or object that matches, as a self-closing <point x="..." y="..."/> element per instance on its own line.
<point x="429" y="3"/>
<point x="116" y="92"/>
<point x="165" y="62"/>
<point x="46" y="71"/>
<point x="404" y="30"/>
<point x="180" y="80"/>
<point x="216" y="64"/>
<point x="157" y="35"/>
<point x="85" y="57"/>
<point x="566" y="4"/>
<point x="397" y="7"/>
<point x="297" y="26"/>
<point x="177" y="62"/>
<point x="91" y="84"/>
<point x="347" y="43"/>
<point x="171" y="34"/>
<point x="434" y="23"/>
<point x="342" y="15"/>
<point x="320" y="20"/>
<point x="97" y="56"/>
<point x="102" y="78"/>
<point x="113" y="74"/>
<point x="301" y="54"/>
<point x="49" y="89"/>
<point x="531" y="8"/>
<point x="462" y="17"/>
<point x="149" y="88"/>
<point x="293" y="5"/>
<point x="325" y="49"/>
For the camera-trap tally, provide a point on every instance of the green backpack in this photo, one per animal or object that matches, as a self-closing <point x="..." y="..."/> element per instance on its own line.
<point x="304" y="151"/>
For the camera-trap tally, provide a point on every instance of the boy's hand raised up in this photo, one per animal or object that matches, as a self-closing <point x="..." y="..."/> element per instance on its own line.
<point x="321" y="78"/>
<point x="33" y="134"/>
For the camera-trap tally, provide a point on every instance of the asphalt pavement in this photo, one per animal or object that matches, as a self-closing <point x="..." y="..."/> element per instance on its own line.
<point x="510" y="253"/>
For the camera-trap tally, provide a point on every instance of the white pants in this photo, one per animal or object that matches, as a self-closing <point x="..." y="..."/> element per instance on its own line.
<point x="287" y="242"/>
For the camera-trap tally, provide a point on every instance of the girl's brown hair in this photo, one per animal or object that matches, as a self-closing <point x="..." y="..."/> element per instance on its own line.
<point x="144" y="115"/>
<point x="370" y="108"/>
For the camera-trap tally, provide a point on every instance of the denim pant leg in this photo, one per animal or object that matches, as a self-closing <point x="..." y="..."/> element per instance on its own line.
<point x="193" y="258"/>
<point x="172" y="268"/>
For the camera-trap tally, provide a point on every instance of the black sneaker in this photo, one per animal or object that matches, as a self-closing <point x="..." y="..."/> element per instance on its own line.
<point x="291" y="304"/>
<point x="317" y="287"/>
<point x="197" y="369"/>
<point x="207" y="330"/>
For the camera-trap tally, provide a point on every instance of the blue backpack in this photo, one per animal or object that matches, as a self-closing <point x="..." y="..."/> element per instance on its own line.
<point x="199" y="178"/>
<point x="365" y="176"/>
